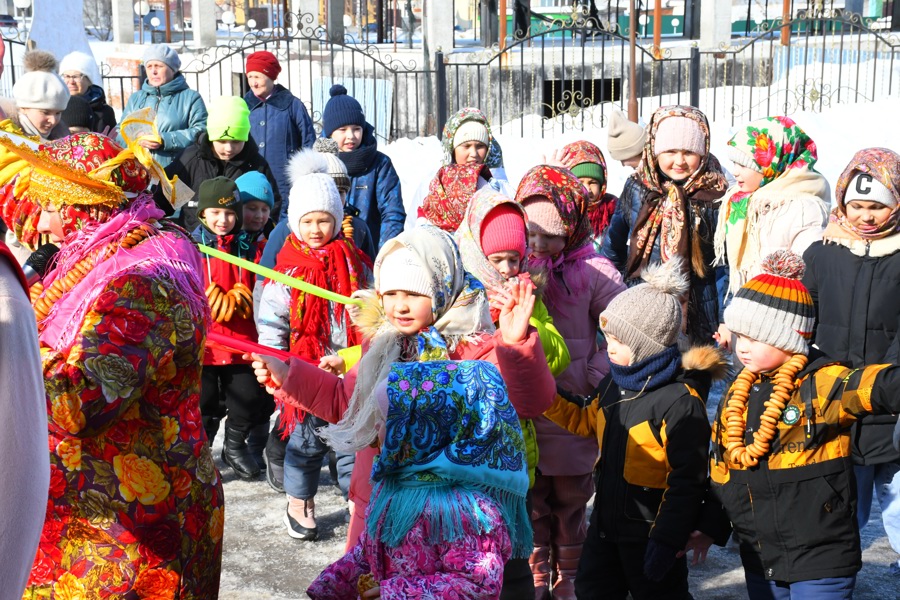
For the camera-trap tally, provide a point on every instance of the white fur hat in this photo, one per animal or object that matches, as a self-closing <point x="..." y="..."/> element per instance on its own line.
<point x="312" y="189"/>
<point x="39" y="89"/>
<point x="82" y="63"/>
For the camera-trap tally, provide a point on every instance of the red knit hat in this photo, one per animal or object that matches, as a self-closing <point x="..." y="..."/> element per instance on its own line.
<point x="264" y="62"/>
<point x="502" y="230"/>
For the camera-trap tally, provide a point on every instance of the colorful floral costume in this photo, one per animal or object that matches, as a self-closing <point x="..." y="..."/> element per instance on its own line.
<point x="135" y="505"/>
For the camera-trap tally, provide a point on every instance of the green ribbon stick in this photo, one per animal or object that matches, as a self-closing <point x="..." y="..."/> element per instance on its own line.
<point x="279" y="277"/>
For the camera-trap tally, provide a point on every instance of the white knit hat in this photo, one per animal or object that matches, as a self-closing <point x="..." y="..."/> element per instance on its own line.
<point x="868" y="189"/>
<point x="39" y="89"/>
<point x="312" y="189"/>
<point x="400" y="270"/>
<point x="471" y="131"/>
<point x="82" y="63"/>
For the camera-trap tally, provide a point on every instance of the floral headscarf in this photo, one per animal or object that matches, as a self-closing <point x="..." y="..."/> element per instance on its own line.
<point x="884" y="166"/>
<point x="450" y="434"/>
<point x="664" y="213"/>
<point x="449" y="194"/>
<point x="601" y="208"/>
<point x="468" y="236"/>
<point x="494" y="158"/>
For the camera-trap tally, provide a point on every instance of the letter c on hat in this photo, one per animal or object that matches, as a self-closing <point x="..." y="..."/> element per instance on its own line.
<point x="864" y="184"/>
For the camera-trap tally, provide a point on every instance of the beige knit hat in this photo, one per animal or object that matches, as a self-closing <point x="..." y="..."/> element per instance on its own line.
<point x="625" y="138"/>
<point x="679" y="133"/>
<point x="647" y="317"/>
<point x="543" y="216"/>
<point x="401" y="271"/>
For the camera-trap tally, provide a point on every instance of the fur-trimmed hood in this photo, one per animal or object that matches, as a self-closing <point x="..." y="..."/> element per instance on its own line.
<point x="705" y="358"/>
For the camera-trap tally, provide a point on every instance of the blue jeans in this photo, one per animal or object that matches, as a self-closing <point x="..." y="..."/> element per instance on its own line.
<point x="303" y="458"/>
<point x="884" y="479"/>
<point x="829" y="588"/>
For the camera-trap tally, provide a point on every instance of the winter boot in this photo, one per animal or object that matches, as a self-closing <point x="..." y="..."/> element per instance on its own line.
<point x="236" y="455"/>
<point x="256" y="443"/>
<point x="300" y="518"/>
<point x="274" y="453"/>
<point x="539" y="561"/>
<point x="567" y="559"/>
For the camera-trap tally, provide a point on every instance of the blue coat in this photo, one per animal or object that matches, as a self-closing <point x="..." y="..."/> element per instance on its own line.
<point x="376" y="194"/>
<point x="180" y="115"/>
<point x="280" y="125"/>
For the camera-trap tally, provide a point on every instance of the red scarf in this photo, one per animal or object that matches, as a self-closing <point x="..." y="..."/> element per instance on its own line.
<point x="600" y="214"/>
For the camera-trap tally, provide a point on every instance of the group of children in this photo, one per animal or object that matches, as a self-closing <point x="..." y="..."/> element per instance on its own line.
<point x="465" y="389"/>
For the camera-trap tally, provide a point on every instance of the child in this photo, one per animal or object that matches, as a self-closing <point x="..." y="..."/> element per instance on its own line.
<point x="288" y="319"/>
<point x="422" y="297"/>
<point x="225" y="149"/>
<point x="492" y="242"/>
<point x="673" y="213"/>
<point x="40" y="99"/>
<point x="580" y="286"/>
<point x="442" y="522"/>
<point x="651" y="425"/>
<point x="279" y="122"/>
<point x="586" y="162"/>
<point x="257" y="202"/>
<point x="374" y="184"/>
<point x="449" y="194"/>
<point x="227" y="382"/>
<point x="853" y="277"/>
<point x="467" y="140"/>
<point x="780" y="463"/>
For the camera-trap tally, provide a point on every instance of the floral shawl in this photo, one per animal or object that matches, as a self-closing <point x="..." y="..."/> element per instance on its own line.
<point x="884" y="166"/>
<point x="450" y="433"/>
<point x="449" y="194"/>
<point x="664" y="215"/>
<point x="494" y="158"/>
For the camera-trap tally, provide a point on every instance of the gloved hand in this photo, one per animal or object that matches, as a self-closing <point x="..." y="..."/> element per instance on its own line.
<point x="658" y="559"/>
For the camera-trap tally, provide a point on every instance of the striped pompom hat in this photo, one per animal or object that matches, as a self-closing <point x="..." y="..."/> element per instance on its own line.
<point x="775" y="307"/>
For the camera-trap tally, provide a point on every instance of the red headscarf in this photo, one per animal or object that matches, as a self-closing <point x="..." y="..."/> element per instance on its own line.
<point x="449" y="194"/>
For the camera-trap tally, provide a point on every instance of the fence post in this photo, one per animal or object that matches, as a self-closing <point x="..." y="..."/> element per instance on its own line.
<point x="695" y="76"/>
<point x="440" y="91"/>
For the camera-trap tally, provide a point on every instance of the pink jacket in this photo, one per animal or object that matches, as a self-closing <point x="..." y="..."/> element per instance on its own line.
<point x="562" y="453"/>
<point x="523" y="366"/>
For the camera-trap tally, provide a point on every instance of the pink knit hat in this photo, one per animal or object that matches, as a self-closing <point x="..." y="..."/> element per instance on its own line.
<point x="543" y="216"/>
<point x="679" y="133"/>
<point x="502" y="230"/>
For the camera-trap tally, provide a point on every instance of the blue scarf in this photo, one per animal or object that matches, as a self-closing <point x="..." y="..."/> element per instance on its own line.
<point x="649" y="374"/>
<point x="451" y="435"/>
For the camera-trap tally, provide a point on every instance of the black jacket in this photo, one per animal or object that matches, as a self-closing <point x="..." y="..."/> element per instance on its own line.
<point x="652" y="473"/>
<point x="856" y="289"/>
<point x="104" y="115"/>
<point x="197" y="163"/>
<point x="794" y="513"/>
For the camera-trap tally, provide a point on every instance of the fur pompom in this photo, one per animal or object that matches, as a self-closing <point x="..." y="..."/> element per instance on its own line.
<point x="325" y="145"/>
<point x="39" y="60"/>
<point x="305" y="162"/>
<point x="668" y="278"/>
<point x="784" y="263"/>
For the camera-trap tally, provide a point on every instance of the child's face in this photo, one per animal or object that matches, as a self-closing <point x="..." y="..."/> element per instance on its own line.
<point x="758" y="357"/>
<point x="619" y="353"/>
<point x="410" y="313"/>
<point x="866" y="215"/>
<point x="507" y="262"/>
<point x="43" y="119"/>
<point x="470" y="153"/>
<point x="51" y="224"/>
<point x="593" y="187"/>
<point x="542" y="245"/>
<point x="347" y="137"/>
<point x="316" y="228"/>
<point x="227" y="149"/>
<point x="260" y="84"/>
<point x="748" y="180"/>
<point x="256" y="215"/>
<point x="219" y="220"/>
<point x="678" y="165"/>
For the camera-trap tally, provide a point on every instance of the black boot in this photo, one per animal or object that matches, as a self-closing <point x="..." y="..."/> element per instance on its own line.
<point x="256" y="443"/>
<point x="236" y="455"/>
<point x="275" y="451"/>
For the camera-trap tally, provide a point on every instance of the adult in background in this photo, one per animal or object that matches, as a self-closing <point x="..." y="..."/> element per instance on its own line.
<point x="82" y="77"/>
<point x="180" y="111"/>
<point x="279" y="122"/>
<point x="26" y="476"/>
<point x="135" y="505"/>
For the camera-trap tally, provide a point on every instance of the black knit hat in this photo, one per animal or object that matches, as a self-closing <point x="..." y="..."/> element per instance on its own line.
<point x="341" y="110"/>
<point x="219" y="192"/>
<point x="78" y="113"/>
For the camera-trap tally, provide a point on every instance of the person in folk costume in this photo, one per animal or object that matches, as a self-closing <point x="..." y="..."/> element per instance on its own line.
<point x="580" y="285"/>
<point x="587" y="163"/>
<point x="312" y="327"/>
<point x="135" y="502"/>
<point x="681" y="185"/>
<point x="421" y="292"/>
<point x="467" y="139"/>
<point x="853" y="276"/>
<point x="450" y="193"/>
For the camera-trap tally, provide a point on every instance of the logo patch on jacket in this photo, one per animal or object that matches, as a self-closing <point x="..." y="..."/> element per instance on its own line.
<point x="790" y="415"/>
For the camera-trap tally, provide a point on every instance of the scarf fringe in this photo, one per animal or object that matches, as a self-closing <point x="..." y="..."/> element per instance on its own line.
<point x="451" y="511"/>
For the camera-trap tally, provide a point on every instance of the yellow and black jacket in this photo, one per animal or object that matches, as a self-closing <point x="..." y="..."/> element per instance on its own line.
<point x="652" y="472"/>
<point x="795" y="513"/>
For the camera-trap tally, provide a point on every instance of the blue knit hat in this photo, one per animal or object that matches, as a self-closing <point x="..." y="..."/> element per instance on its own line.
<point x="254" y="186"/>
<point x="341" y="110"/>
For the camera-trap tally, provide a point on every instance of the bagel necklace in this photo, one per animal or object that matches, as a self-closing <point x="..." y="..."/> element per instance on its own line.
<point x="736" y="423"/>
